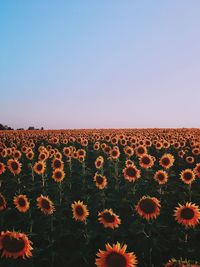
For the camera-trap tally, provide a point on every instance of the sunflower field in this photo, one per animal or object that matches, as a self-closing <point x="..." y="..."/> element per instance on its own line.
<point x="105" y="198"/>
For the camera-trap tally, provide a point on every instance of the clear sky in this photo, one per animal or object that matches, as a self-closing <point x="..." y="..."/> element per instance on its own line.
<point x="100" y="64"/>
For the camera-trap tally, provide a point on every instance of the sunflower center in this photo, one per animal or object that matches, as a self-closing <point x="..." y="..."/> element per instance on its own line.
<point x="146" y="160"/>
<point x="148" y="206"/>
<point x="187" y="176"/>
<point x="13" y="245"/>
<point x="58" y="175"/>
<point x="160" y="176"/>
<point x="131" y="172"/>
<point x="57" y="163"/>
<point x="165" y="161"/>
<point x="39" y="167"/>
<point x="99" y="179"/>
<point x="14" y="165"/>
<point x="108" y="217"/>
<point x="187" y="214"/>
<point x="140" y="150"/>
<point x="79" y="210"/>
<point x="115" y="259"/>
<point x="45" y="204"/>
<point x="22" y="202"/>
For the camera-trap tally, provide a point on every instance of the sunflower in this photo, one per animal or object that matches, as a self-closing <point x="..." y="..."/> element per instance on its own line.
<point x="14" y="166"/>
<point x="146" y="161"/>
<point x="80" y="211"/>
<point x="115" y="153"/>
<point x="189" y="159"/>
<point x="141" y="150"/>
<point x="188" y="214"/>
<point x="45" y="205"/>
<point x="128" y="150"/>
<point x="58" y="175"/>
<point x="116" y="256"/>
<point x="57" y="163"/>
<point x="21" y="203"/>
<point x="161" y="177"/>
<point x="187" y="176"/>
<point x="3" y="202"/>
<point x="96" y="146"/>
<point x="17" y="154"/>
<point x="81" y="153"/>
<point x="100" y="180"/>
<point x="39" y="167"/>
<point x="128" y="162"/>
<point x="15" y="245"/>
<point x="197" y="170"/>
<point x="148" y="207"/>
<point x="109" y="219"/>
<point x="30" y="155"/>
<point x="2" y="168"/>
<point x="166" y="161"/>
<point x="99" y="162"/>
<point x="131" y="173"/>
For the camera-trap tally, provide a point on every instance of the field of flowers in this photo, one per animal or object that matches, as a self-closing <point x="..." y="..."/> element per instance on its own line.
<point x="105" y="198"/>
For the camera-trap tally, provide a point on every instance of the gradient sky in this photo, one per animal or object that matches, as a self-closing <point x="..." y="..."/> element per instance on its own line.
<point x="100" y="64"/>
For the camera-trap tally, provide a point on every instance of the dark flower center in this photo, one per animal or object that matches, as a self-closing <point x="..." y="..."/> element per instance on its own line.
<point x="187" y="214"/>
<point x="140" y="150"/>
<point x="130" y="171"/>
<point x="79" y="210"/>
<point x="22" y="202"/>
<point x="160" y="176"/>
<point x="187" y="176"/>
<point x="13" y="245"/>
<point x="166" y="161"/>
<point x="58" y="174"/>
<point x="115" y="259"/>
<point x="14" y="165"/>
<point x="45" y="204"/>
<point x="57" y="163"/>
<point x="108" y="217"/>
<point x="148" y="206"/>
<point x="146" y="160"/>
<point x="39" y="167"/>
<point x="99" y="179"/>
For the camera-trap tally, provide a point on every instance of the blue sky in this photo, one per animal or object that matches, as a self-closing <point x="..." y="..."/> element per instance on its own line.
<point x="100" y="64"/>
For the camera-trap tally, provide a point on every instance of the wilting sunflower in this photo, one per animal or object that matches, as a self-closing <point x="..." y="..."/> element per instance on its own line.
<point x="167" y="161"/>
<point x="58" y="175"/>
<point x="131" y="173"/>
<point x="187" y="176"/>
<point x="15" y="245"/>
<point x="14" y="166"/>
<point x="148" y="207"/>
<point x="3" y="202"/>
<point x="146" y="161"/>
<point x="100" y="180"/>
<point x="161" y="177"/>
<point x="116" y="256"/>
<point x="45" y="205"/>
<point x="39" y="167"/>
<point x="2" y="168"/>
<point x="188" y="214"/>
<point x="80" y="211"/>
<point x="109" y="219"/>
<point x="21" y="203"/>
<point x="197" y="170"/>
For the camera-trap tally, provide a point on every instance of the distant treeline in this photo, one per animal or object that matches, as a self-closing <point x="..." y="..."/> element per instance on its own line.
<point x="5" y="127"/>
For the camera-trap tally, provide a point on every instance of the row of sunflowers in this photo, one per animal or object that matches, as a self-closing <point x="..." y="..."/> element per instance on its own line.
<point x="105" y="198"/>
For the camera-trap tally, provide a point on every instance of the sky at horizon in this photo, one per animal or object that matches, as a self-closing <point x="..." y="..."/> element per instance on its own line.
<point x="100" y="64"/>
